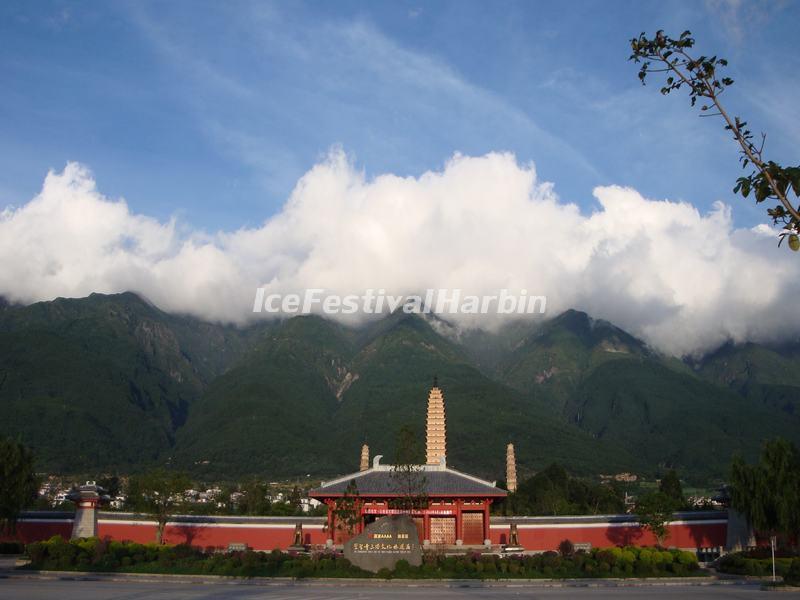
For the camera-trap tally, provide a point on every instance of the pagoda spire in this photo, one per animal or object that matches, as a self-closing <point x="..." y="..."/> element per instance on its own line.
<point x="364" y="458"/>
<point x="435" y="431"/>
<point x="511" y="469"/>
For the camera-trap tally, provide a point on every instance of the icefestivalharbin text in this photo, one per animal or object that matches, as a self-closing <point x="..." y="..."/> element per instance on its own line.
<point x="439" y="301"/>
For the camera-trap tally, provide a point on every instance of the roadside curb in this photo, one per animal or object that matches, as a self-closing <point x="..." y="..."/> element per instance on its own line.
<point x="410" y="583"/>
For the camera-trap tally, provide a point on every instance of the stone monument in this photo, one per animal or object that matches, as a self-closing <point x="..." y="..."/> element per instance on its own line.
<point x="383" y="543"/>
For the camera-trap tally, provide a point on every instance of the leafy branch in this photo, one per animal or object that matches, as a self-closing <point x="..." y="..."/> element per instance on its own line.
<point x="768" y="180"/>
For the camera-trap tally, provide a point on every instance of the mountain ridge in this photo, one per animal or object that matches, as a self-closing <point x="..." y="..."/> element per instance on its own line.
<point x="112" y="382"/>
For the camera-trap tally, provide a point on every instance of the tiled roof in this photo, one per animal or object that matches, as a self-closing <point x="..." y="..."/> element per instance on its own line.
<point x="439" y="481"/>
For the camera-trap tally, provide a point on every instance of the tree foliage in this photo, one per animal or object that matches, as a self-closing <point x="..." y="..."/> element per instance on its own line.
<point x="768" y="493"/>
<point x="654" y="511"/>
<point x="158" y="493"/>
<point x="701" y="77"/>
<point x="18" y="484"/>
<point x="254" y="500"/>
<point x="347" y="509"/>
<point x="671" y="486"/>
<point x="553" y="492"/>
<point x="111" y="484"/>
<point x="408" y="477"/>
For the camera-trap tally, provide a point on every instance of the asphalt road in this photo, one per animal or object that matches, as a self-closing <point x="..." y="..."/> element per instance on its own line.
<point x="66" y="589"/>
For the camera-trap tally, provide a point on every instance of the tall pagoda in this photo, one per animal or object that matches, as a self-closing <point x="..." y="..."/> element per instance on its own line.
<point x="435" y="430"/>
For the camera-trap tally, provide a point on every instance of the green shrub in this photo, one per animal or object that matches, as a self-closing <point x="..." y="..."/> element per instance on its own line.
<point x="606" y="557"/>
<point x="792" y="576"/>
<point x="740" y="564"/>
<point x="36" y="552"/>
<point x="385" y="573"/>
<point x="566" y="548"/>
<point x="105" y="555"/>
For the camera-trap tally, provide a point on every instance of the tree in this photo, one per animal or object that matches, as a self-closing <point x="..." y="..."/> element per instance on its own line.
<point x="110" y="484"/>
<point x="671" y="486"/>
<point x="347" y="509"/>
<point x="553" y="492"/>
<point x="295" y="498"/>
<point x="408" y="477"/>
<point x="254" y="501"/>
<point x="700" y="76"/>
<point x="158" y="493"/>
<point x="18" y="484"/>
<point x="654" y="512"/>
<point x="768" y="493"/>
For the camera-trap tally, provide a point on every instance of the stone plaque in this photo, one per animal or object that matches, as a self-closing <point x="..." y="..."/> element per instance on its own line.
<point x="384" y="542"/>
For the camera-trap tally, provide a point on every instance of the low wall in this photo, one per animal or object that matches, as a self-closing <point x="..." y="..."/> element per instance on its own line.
<point x="41" y="525"/>
<point x="687" y="530"/>
<point x="259" y="533"/>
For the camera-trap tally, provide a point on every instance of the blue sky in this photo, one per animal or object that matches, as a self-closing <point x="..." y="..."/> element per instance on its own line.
<point x="211" y="111"/>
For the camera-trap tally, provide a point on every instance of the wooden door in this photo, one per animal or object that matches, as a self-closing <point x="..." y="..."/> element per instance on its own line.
<point x="443" y="530"/>
<point x="473" y="528"/>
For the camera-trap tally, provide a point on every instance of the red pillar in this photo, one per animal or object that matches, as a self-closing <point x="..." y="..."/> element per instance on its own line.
<point x="486" y="532"/>
<point x="459" y="521"/>
<point x="331" y="521"/>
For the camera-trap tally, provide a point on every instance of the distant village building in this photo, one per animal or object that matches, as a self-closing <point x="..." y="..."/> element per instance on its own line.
<point x="621" y="477"/>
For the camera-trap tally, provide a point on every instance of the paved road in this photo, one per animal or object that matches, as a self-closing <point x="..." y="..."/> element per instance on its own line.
<point x="66" y="589"/>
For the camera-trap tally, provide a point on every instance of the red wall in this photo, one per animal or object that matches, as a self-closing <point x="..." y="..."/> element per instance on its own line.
<point x="268" y="536"/>
<point x="688" y="535"/>
<point x="257" y="537"/>
<point x="35" y="531"/>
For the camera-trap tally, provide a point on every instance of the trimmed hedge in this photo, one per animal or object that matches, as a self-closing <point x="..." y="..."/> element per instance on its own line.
<point x="93" y="554"/>
<point x="745" y="563"/>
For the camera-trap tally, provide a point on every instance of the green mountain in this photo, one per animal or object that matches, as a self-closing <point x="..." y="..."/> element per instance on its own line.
<point x="312" y="392"/>
<point x="553" y="360"/>
<point x="769" y="376"/>
<point x="674" y="420"/>
<point x="271" y="412"/>
<point x="112" y="382"/>
<point x="104" y="381"/>
<point x="614" y="387"/>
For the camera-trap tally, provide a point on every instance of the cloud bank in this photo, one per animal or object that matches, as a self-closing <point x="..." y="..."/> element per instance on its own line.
<point x="684" y="281"/>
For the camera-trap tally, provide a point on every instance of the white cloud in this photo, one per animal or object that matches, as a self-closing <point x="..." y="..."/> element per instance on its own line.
<point x="682" y="280"/>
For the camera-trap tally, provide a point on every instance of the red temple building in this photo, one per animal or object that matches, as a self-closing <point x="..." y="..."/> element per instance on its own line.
<point x="456" y="510"/>
<point x="456" y="506"/>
